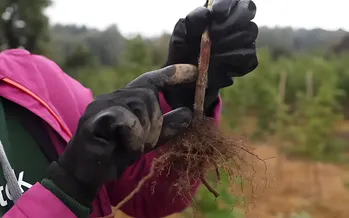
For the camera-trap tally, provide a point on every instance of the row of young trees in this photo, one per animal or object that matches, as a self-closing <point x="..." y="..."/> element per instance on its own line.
<point x="298" y="98"/>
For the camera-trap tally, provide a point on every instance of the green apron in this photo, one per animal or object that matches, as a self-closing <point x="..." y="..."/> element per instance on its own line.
<point x="24" y="154"/>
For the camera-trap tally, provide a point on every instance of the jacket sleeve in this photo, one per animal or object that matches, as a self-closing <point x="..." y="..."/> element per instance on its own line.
<point x="151" y="201"/>
<point x="38" y="202"/>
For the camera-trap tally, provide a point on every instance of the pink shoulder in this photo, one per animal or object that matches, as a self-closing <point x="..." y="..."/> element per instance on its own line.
<point x="43" y="77"/>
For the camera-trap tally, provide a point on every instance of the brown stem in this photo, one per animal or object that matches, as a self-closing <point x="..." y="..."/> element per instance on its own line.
<point x="208" y="186"/>
<point x="218" y="174"/>
<point x="201" y="83"/>
<point x="204" y="60"/>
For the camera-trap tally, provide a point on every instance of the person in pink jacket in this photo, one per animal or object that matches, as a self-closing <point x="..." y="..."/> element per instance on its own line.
<point x="65" y="154"/>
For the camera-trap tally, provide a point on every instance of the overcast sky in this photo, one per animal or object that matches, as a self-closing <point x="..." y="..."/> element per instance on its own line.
<point x="152" y="17"/>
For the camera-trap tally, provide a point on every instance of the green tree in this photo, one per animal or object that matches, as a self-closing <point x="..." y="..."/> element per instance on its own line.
<point x="25" y="24"/>
<point x="137" y="53"/>
<point x="107" y="45"/>
<point x="80" y="57"/>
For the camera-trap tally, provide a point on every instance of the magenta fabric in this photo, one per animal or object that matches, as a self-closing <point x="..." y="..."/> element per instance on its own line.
<point x="38" y="202"/>
<point x="68" y="98"/>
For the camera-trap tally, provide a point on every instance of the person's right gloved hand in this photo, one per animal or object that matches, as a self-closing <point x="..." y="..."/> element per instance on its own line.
<point x="233" y="53"/>
<point x="114" y="132"/>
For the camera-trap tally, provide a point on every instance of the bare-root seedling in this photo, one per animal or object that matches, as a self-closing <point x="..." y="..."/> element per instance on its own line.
<point x="204" y="147"/>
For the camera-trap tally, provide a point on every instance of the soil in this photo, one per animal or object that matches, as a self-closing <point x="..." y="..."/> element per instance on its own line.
<point x="297" y="186"/>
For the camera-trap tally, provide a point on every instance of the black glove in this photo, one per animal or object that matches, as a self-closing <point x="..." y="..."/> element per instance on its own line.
<point x="116" y="130"/>
<point x="233" y="51"/>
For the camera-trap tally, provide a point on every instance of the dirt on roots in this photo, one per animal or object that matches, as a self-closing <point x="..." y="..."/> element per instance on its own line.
<point x="206" y="148"/>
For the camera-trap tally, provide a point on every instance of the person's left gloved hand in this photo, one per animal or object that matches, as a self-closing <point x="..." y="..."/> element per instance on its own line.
<point x="114" y="132"/>
<point x="233" y="52"/>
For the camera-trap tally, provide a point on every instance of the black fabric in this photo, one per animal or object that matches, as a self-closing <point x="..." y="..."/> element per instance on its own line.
<point x="34" y="125"/>
<point x="115" y="130"/>
<point x="233" y="50"/>
<point x="81" y="192"/>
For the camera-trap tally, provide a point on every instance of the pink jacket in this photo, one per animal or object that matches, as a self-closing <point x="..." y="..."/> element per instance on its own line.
<point x="39" y="84"/>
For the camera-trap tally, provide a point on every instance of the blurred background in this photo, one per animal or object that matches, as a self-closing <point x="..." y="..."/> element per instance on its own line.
<point x="294" y="108"/>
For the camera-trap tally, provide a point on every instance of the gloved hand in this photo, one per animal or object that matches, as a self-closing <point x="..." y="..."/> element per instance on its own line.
<point x="116" y="130"/>
<point x="233" y="51"/>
